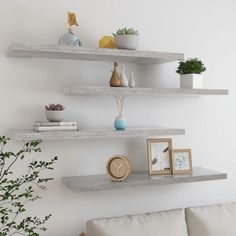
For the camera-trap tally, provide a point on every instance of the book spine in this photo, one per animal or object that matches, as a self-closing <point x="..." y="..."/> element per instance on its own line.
<point x="56" y="128"/>
<point x="43" y="124"/>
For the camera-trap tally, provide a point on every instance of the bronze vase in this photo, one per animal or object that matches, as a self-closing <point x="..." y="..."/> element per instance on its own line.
<point x="115" y="78"/>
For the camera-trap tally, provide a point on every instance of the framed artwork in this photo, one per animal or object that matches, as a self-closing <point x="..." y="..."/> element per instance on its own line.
<point x="159" y="156"/>
<point x="182" y="161"/>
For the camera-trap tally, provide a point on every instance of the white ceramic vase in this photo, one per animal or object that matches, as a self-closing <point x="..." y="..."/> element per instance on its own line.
<point x="123" y="79"/>
<point x="132" y="82"/>
<point x="54" y="116"/>
<point x="127" y="41"/>
<point x="191" y="81"/>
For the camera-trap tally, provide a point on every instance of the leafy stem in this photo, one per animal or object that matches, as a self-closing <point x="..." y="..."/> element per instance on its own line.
<point x="17" y="190"/>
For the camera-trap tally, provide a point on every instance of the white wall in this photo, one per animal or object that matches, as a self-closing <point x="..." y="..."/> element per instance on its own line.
<point x="204" y="29"/>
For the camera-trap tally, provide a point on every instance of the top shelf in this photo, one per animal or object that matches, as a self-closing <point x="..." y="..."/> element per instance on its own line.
<point x="91" y="54"/>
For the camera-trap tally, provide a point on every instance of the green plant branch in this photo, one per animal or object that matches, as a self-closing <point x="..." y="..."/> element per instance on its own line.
<point x="3" y="165"/>
<point x="16" y="193"/>
<point x="3" y="173"/>
<point x="17" y="213"/>
<point x="16" y="232"/>
<point x="8" y="168"/>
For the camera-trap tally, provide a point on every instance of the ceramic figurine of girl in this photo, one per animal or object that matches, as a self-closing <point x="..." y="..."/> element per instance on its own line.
<point x="69" y="38"/>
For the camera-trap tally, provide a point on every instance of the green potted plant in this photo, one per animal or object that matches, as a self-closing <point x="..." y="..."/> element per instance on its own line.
<point x="18" y="189"/>
<point x="126" y="38"/>
<point x="190" y="73"/>
<point x="54" y="112"/>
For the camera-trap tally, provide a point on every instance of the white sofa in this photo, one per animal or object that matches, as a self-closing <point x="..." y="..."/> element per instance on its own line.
<point x="214" y="220"/>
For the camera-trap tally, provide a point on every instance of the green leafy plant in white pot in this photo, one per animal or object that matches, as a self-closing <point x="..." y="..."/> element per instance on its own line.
<point x="191" y="73"/>
<point x="126" y="38"/>
<point x="18" y="189"/>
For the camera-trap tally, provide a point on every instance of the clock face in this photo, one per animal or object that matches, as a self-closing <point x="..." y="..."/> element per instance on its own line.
<point x="118" y="168"/>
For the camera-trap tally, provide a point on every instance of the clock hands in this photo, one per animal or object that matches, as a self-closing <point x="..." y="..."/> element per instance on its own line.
<point x="118" y="167"/>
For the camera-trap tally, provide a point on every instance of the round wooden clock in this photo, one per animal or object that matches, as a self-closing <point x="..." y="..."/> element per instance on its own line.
<point x="118" y="168"/>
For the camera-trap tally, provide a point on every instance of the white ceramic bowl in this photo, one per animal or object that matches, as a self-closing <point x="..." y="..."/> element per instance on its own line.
<point x="54" y="116"/>
<point x="127" y="41"/>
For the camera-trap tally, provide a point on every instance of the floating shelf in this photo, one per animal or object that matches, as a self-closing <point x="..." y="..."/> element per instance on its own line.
<point x="102" y="182"/>
<point x="85" y="90"/>
<point x="91" y="54"/>
<point x="93" y="133"/>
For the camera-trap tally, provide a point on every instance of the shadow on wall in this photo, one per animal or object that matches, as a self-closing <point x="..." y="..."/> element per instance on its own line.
<point x="158" y="76"/>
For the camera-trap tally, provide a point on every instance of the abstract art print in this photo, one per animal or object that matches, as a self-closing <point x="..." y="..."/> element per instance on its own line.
<point x="159" y="156"/>
<point x="182" y="161"/>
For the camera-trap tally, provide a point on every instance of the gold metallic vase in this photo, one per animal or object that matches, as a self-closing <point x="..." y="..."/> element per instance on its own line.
<point x="115" y="78"/>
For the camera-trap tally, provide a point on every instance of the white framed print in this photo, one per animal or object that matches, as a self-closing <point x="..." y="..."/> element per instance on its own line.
<point x="182" y="161"/>
<point x="159" y="156"/>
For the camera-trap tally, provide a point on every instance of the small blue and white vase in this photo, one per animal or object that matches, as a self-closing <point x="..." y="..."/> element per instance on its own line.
<point x="120" y="123"/>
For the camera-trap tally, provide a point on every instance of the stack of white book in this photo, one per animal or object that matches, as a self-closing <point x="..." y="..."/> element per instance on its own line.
<point x="56" y="126"/>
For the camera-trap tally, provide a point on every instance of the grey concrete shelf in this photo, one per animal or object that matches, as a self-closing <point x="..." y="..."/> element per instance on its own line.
<point x="102" y="182"/>
<point x="94" y="133"/>
<point x="91" y="54"/>
<point x="85" y="90"/>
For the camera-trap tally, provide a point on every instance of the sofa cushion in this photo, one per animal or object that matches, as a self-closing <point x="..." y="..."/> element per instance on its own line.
<point x="215" y="220"/>
<point x="166" y="223"/>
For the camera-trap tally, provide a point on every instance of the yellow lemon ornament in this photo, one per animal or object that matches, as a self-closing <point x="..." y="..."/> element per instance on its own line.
<point x="107" y="42"/>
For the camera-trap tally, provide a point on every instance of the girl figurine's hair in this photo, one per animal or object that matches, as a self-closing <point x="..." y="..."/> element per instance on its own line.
<point x="71" y="18"/>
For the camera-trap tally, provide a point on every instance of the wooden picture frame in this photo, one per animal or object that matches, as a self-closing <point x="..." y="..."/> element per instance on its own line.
<point x="182" y="161"/>
<point x="159" y="156"/>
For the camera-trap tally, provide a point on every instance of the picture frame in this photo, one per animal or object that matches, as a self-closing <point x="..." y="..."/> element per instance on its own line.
<point x="182" y="161"/>
<point x="159" y="156"/>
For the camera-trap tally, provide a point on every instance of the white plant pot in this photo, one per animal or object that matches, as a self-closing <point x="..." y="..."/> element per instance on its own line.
<point x="54" y="116"/>
<point x="191" y="81"/>
<point x="127" y="41"/>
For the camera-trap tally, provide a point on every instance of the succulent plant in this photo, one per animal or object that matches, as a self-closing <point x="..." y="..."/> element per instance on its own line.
<point x="54" y="107"/>
<point x="191" y="66"/>
<point x="126" y="31"/>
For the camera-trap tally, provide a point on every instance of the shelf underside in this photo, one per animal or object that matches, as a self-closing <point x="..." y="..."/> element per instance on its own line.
<point x="85" y="90"/>
<point x="102" y="182"/>
<point x="94" y="133"/>
<point x="91" y="54"/>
